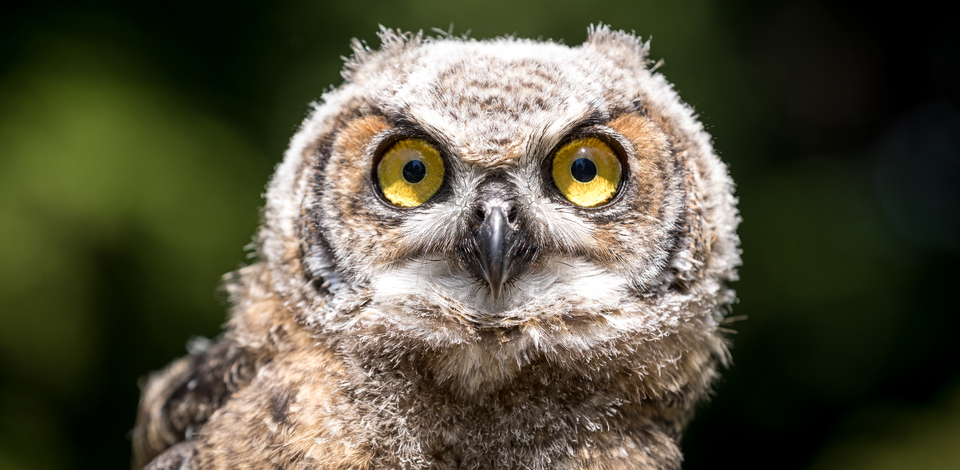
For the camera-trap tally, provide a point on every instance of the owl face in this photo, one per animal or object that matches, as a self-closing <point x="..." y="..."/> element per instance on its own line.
<point x="503" y="194"/>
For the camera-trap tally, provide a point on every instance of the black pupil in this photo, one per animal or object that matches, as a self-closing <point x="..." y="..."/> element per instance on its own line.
<point x="414" y="171"/>
<point x="583" y="170"/>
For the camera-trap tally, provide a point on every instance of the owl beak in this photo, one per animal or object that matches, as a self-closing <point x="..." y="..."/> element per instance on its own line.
<point x="492" y="250"/>
<point x="496" y="242"/>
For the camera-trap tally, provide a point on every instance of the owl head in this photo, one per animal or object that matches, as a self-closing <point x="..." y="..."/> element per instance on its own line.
<point x="485" y="204"/>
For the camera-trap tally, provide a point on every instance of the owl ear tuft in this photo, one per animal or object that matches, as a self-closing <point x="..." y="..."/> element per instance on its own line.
<point x="626" y="49"/>
<point x="393" y="42"/>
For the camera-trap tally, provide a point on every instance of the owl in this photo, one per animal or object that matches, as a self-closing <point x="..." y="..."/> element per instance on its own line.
<point x="479" y="254"/>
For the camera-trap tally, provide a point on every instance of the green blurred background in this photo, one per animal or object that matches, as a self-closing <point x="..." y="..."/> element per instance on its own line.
<point x="136" y="139"/>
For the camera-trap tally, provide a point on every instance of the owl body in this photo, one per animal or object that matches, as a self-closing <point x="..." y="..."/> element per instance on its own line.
<point x="476" y="307"/>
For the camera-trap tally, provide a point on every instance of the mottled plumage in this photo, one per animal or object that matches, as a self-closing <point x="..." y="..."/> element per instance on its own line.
<point x="369" y="335"/>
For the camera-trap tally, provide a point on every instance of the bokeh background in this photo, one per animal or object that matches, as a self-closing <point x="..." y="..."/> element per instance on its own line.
<point x="136" y="139"/>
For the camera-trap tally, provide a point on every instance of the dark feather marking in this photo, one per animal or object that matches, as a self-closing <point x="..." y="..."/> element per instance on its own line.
<point x="191" y="396"/>
<point x="174" y="458"/>
<point x="281" y="405"/>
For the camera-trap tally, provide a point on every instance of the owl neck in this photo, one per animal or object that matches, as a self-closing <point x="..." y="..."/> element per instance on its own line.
<point x="583" y="411"/>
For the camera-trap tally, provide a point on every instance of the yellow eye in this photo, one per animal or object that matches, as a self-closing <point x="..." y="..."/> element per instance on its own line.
<point x="410" y="173"/>
<point x="587" y="172"/>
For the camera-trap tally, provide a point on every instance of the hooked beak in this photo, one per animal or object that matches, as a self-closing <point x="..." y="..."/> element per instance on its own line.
<point x="500" y="251"/>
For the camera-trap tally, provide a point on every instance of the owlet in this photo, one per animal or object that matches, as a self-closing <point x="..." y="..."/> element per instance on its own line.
<point x="497" y="254"/>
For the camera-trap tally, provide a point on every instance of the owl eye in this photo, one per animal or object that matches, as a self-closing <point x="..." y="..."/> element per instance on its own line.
<point x="410" y="173"/>
<point x="587" y="172"/>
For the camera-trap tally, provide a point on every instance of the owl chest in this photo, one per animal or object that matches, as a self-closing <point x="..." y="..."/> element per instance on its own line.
<point x="304" y="419"/>
<point x="533" y="422"/>
<point x="559" y="426"/>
